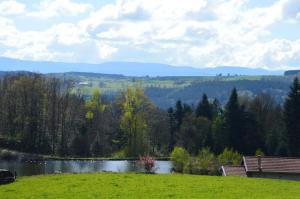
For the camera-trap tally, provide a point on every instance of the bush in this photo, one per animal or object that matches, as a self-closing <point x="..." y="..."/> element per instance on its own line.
<point x="203" y="164"/>
<point x="119" y="154"/>
<point x="259" y="152"/>
<point x="206" y="161"/>
<point x="193" y="167"/>
<point x="148" y="163"/>
<point x="179" y="157"/>
<point x="229" y="157"/>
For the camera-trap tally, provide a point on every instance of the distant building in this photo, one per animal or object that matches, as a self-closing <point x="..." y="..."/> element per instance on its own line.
<point x="265" y="167"/>
<point x="84" y="84"/>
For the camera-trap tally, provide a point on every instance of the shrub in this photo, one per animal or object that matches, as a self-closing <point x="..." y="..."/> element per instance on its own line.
<point x="203" y="164"/>
<point x="193" y="167"/>
<point x="259" y="152"/>
<point x="206" y="161"/>
<point x="229" y="157"/>
<point x="179" y="157"/>
<point x="148" y="163"/>
<point x="119" y="154"/>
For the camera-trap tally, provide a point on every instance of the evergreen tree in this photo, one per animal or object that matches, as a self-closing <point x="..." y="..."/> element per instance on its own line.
<point x="219" y="134"/>
<point x="172" y="129"/>
<point x="292" y="118"/>
<point x="179" y="114"/>
<point x="194" y="133"/>
<point x="233" y="122"/>
<point x="204" y="108"/>
<point x="216" y="108"/>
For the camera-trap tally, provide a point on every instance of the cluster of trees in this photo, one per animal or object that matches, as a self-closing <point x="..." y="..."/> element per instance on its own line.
<point x="46" y="115"/>
<point x="205" y="162"/>
<point x="245" y="124"/>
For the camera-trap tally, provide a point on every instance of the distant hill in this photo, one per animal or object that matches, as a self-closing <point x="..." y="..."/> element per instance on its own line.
<point x="164" y="91"/>
<point x="292" y="72"/>
<point x="127" y="68"/>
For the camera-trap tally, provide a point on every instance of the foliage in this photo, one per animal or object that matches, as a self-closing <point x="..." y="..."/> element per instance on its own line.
<point x="204" y="108"/>
<point x="94" y="104"/>
<point x="40" y="114"/>
<point x="133" y="121"/>
<point x="230" y="157"/>
<point x="203" y="164"/>
<point x="119" y="154"/>
<point x="292" y="118"/>
<point x="219" y="134"/>
<point x="206" y="160"/>
<point x="194" y="133"/>
<point x="148" y="163"/>
<point x="179" y="157"/>
<point x="259" y="152"/>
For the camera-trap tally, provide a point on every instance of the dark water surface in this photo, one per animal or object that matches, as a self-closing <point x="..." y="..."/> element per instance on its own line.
<point x="78" y="166"/>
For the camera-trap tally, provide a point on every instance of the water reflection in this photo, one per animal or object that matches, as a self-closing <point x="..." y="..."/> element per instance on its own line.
<point x="78" y="166"/>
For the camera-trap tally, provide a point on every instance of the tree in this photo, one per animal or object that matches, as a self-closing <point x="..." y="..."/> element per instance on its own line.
<point x="292" y="118"/>
<point x="194" y="133"/>
<point x="204" y="108"/>
<point x="230" y="157"/>
<point x="97" y="123"/>
<point x="270" y="124"/>
<point x="80" y="144"/>
<point x="179" y="157"/>
<point x="172" y="129"/>
<point x="158" y="128"/>
<point x="219" y="134"/>
<point x="233" y="122"/>
<point x="179" y="114"/>
<point x="216" y="109"/>
<point x="133" y="121"/>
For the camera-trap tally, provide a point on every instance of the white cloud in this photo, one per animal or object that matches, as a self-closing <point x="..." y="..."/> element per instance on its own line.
<point x="55" y="8"/>
<point x="106" y="51"/>
<point x="11" y="8"/>
<point x="191" y="32"/>
<point x="67" y="34"/>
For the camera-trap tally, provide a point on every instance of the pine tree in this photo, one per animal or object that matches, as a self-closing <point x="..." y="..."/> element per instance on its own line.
<point x="179" y="114"/>
<point x="204" y="108"/>
<point x="172" y="129"/>
<point x="233" y="121"/>
<point x="292" y="118"/>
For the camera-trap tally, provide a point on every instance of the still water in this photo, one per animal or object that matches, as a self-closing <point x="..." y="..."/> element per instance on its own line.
<point x="78" y="166"/>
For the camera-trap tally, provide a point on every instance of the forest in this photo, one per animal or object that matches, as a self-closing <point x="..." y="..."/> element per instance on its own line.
<point x="46" y="115"/>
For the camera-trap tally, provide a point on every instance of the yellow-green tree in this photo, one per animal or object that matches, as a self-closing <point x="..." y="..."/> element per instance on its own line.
<point x="94" y="104"/>
<point x="133" y="121"/>
<point x="96" y="123"/>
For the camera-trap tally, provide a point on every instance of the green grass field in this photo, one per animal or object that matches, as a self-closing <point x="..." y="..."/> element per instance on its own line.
<point x="112" y="185"/>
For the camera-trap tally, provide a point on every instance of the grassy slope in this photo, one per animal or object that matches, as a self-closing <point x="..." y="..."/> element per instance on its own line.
<point x="109" y="185"/>
<point x="110" y="84"/>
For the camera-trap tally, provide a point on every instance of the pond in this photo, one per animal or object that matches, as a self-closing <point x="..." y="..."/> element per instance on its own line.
<point x="29" y="168"/>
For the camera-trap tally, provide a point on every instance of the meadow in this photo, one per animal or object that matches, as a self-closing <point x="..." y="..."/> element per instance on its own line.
<point x="132" y="185"/>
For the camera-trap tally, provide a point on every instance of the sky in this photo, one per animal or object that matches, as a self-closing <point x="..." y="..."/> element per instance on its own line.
<point x="199" y="33"/>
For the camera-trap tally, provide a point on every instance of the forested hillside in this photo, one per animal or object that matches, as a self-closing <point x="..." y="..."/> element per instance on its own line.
<point x="49" y="115"/>
<point x="165" y="91"/>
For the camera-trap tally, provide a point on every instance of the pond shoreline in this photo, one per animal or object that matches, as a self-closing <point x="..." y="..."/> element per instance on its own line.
<point x="46" y="167"/>
<point x="6" y="154"/>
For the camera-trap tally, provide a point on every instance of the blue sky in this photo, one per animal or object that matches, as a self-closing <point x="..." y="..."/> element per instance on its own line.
<point x="199" y="33"/>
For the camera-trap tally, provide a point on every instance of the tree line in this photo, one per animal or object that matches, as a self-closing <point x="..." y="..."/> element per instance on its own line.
<point x="47" y="115"/>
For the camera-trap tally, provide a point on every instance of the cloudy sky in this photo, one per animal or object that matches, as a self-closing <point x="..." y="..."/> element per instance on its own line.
<point x="200" y="33"/>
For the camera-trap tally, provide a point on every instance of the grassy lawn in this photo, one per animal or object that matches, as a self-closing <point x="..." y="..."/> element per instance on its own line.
<point x="111" y="185"/>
